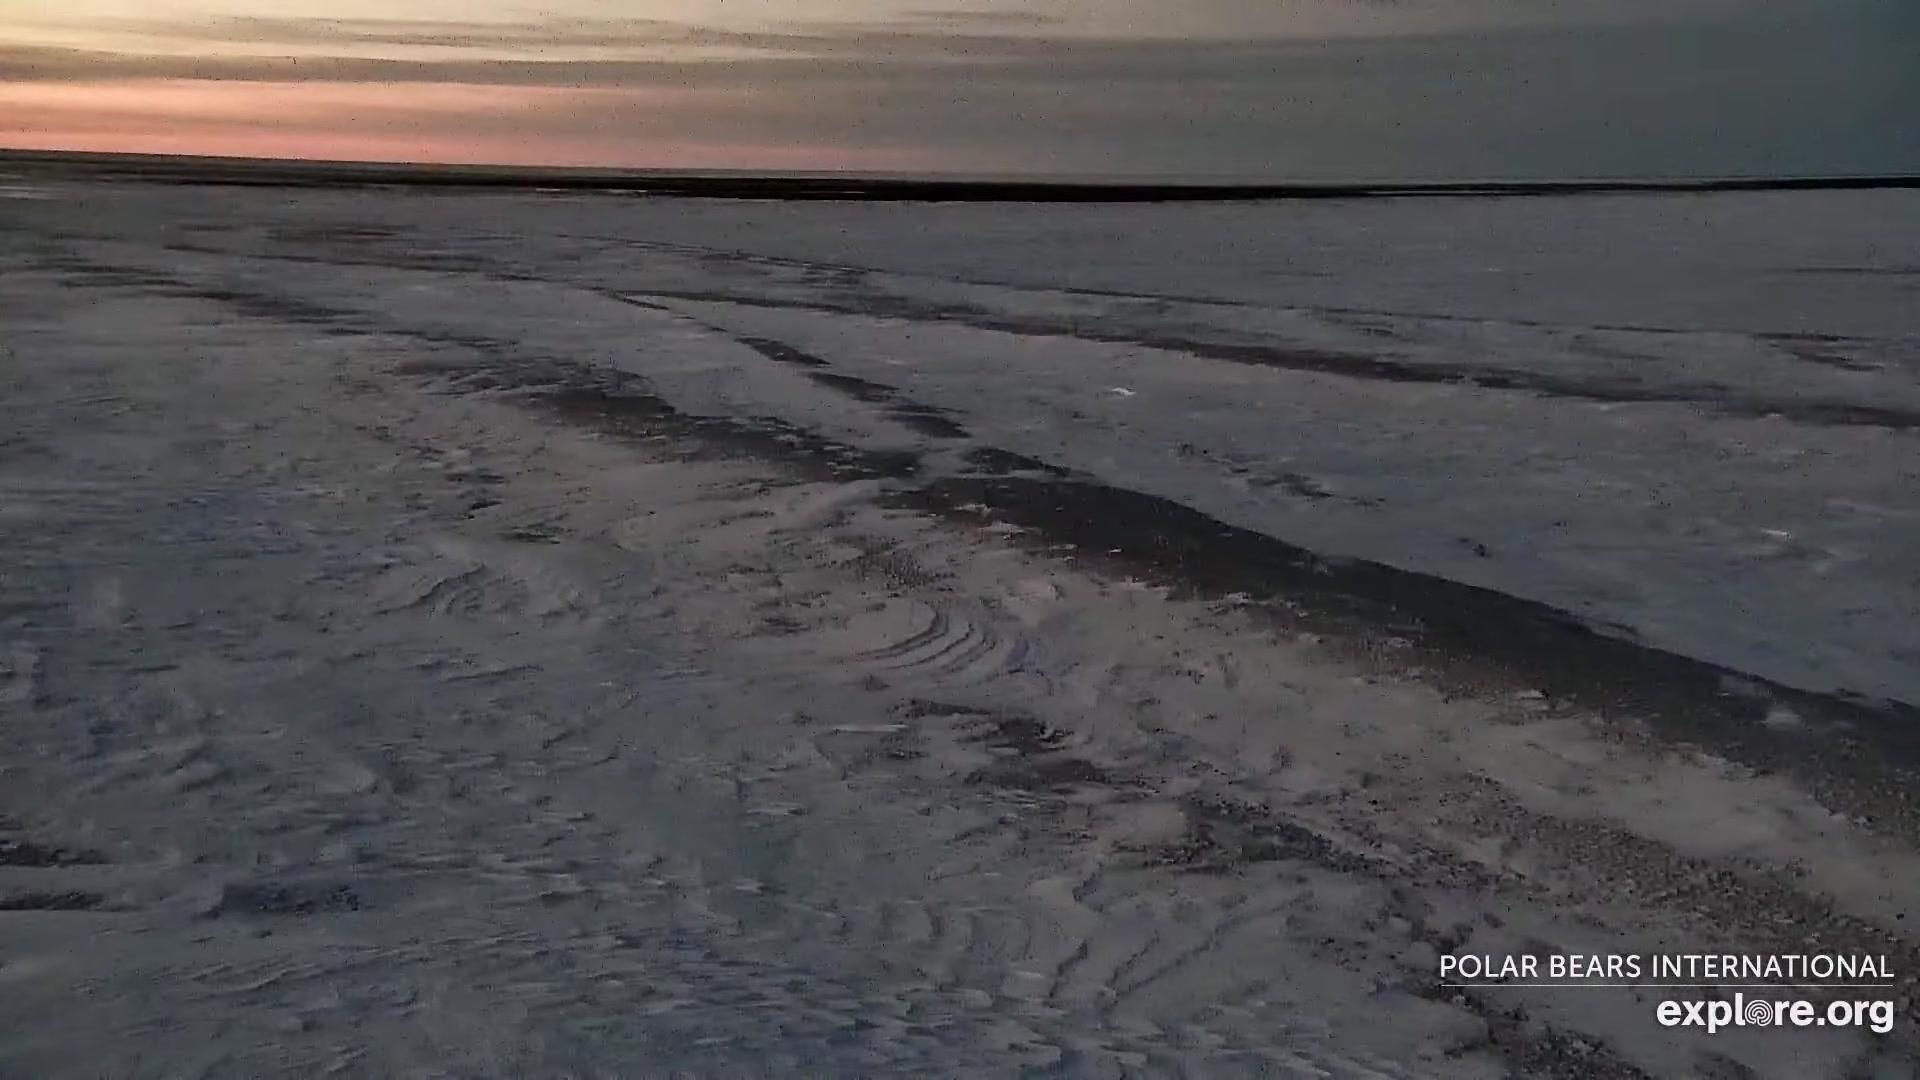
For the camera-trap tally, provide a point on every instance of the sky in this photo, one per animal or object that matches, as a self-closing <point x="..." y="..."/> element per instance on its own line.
<point x="1227" y="89"/>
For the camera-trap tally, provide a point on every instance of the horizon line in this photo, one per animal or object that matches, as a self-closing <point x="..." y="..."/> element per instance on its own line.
<point x="879" y="185"/>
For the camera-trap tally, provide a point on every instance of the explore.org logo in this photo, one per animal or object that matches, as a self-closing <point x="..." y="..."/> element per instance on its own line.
<point x="1729" y="982"/>
<point x="1742" y="1011"/>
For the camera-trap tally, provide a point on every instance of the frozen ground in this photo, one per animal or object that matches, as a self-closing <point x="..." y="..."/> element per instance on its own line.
<point x="529" y="635"/>
<point x="1701" y="430"/>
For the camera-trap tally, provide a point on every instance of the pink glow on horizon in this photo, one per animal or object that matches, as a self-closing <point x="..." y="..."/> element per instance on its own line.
<point x="437" y="123"/>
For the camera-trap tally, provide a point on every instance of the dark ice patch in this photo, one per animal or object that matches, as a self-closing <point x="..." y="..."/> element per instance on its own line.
<point x="60" y="900"/>
<point x="310" y="898"/>
<point x="1223" y="835"/>
<point x="28" y="853"/>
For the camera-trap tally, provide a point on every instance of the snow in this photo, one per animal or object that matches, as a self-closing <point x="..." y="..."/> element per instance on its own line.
<point x="1610" y="404"/>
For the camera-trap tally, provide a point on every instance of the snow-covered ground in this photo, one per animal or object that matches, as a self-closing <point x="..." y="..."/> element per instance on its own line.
<point x="1690" y="417"/>
<point x="505" y="635"/>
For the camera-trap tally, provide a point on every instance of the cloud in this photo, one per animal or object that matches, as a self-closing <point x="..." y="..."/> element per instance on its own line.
<point x="917" y="32"/>
<point x="283" y="31"/>
<point x="959" y="17"/>
<point x="879" y="58"/>
<point x="937" y="33"/>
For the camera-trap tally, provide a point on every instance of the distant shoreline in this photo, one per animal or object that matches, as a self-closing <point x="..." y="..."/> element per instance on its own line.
<point x="874" y="188"/>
